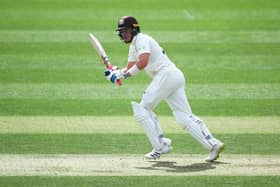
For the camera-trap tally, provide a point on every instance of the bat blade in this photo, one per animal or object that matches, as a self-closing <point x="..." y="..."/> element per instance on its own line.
<point x="98" y="47"/>
<point x="101" y="52"/>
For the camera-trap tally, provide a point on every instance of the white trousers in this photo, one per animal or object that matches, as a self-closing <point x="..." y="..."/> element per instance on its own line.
<point x="169" y="85"/>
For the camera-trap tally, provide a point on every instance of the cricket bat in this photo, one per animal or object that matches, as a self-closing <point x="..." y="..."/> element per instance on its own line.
<point x="101" y="52"/>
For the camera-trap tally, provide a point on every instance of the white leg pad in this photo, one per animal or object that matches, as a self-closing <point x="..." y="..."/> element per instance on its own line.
<point x="142" y="116"/>
<point x="157" y="125"/>
<point x="196" y="128"/>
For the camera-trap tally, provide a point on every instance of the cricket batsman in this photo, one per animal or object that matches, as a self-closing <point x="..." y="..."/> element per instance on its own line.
<point x="168" y="84"/>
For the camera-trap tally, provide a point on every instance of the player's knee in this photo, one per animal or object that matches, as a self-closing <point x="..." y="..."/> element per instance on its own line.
<point x="149" y="101"/>
<point x="181" y="118"/>
<point x="139" y="112"/>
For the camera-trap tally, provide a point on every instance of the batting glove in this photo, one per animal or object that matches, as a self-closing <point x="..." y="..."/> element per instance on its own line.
<point x="108" y="74"/>
<point x="115" y="75"/>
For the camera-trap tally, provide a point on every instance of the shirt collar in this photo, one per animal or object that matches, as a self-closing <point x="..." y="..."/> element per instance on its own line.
<point x="134" y="39"/>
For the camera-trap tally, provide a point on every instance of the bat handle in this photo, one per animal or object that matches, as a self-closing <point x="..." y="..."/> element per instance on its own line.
<point x="110" y="67"/>
<point x="119" y="82"/>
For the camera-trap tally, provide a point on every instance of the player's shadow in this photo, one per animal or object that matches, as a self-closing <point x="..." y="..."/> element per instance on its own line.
<point x="173" y="167"/>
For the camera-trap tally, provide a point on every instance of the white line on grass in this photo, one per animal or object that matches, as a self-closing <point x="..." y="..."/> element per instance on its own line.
<point x="188" y="15"/>
<point x="136" y="165"/>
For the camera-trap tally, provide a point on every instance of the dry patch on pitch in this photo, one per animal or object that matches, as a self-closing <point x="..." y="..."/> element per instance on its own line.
<point x="136" y="165"/>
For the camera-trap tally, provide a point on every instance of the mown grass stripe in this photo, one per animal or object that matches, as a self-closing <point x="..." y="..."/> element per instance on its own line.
<point x="217" y="15"/>
<point x="172" y="48"/>
<point x="84" y="24"/>
<point x="167" y="14"/>
<point x="148" y="14"/>
<point x="130" y="143"/>
<point x="122" y="107"/>
<point x="140" y="181"/>
<point x="135" y="91"/>
<point x="215" y="5"/>
<point x="96" y="76"/>
<point x="127" y="124"/>
<point x="192" y="63"/>
<point x="162" y="36"/>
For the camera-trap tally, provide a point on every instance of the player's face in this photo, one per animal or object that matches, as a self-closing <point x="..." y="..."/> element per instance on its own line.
<point x="126" y="35"/>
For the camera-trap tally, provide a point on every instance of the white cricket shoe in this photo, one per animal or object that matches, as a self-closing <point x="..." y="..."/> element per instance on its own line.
<point x="166" y="145"/>
<point x="214" y="153"/>
<point x="166" y="148"/>
<point x="153" y="155"/>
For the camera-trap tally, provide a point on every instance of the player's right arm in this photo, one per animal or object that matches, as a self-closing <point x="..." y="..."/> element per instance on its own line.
<point x="129" y="65"/>
<point x="136" y="66"/>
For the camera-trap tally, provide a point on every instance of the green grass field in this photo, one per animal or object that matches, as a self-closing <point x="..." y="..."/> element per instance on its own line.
<point x="56" y="105"/>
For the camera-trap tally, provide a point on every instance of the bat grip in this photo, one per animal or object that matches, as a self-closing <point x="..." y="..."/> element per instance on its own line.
<point x="119" y="82"/>
<point x="110" y="67"/>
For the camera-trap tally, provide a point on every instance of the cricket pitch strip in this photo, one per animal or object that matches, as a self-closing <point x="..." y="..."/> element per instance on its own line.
<point x="136" y="165"/>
